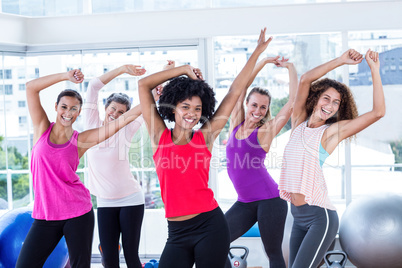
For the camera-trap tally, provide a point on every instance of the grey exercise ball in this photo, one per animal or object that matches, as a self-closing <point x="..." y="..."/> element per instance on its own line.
<point x="371" y="231"/>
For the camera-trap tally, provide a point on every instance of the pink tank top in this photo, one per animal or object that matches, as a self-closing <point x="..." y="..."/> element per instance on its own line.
<point x="59" y="193"/>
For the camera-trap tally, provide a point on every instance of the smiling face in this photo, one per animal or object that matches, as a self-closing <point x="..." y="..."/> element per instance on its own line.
<point x="327" y="105"/>
<point x="257" y="107"/>
<point x="68" y="109"/>
<point x="114" y="111"/>
<point x="187" y="113"/>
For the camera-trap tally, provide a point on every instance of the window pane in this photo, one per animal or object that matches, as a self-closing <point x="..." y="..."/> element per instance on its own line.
<point x="20" y="184"/>
<point x="250" y="3"/>
<point x="378" y="147"/>
<point x="306" y="52"/>
<point x="13" y="135"/>
<point x="98" y="62"/>
<point x="107" y="6"/>
<point x="37" y="8"/>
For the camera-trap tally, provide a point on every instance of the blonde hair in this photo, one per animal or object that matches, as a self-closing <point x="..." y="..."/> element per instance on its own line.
<point x="264" y="92"/>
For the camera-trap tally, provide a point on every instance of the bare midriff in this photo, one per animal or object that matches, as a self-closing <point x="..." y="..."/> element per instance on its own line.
<point x="297" y="199"/>
<point x="183" y="218"/>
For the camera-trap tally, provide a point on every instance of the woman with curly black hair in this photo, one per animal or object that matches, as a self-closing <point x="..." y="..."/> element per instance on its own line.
<point x="198" y="231"/>
<point x="324" y="114"/>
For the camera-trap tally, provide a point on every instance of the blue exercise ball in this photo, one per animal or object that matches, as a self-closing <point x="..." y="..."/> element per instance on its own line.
<point x="14" y="227"/>
<point x="371" y="231"/>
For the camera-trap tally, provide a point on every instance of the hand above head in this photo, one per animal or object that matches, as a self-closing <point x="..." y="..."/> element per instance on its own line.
<point x="134" y="70"/>
<point x="75" y="76"/>
<point x="351" y="56"/>
<point x="262" y="44"/>
<point x="170" y="64"/>
<point x="283" y="63"/>
<point x="157" y="92"/>
<point x="194" y="73"/>
<point x="267" y="60"/>
<point x="373" y="59"/>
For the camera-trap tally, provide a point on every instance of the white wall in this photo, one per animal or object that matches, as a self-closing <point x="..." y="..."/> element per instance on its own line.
<point x="13" y="30"/>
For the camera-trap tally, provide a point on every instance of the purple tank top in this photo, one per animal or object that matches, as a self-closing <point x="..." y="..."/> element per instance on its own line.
<point x="246" y="169"/>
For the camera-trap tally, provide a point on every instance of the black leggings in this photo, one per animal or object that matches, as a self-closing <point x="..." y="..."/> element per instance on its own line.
<point x="203" y="239"/>
<point x="271" y="217"/>
<point x="43" y="237"/>
<point x="314" y="229"/>
<point x="125" y="220"/>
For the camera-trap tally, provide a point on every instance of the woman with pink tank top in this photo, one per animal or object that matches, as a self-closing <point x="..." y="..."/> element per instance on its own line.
<point x="324" y="114"/>
<point x="198" y="231"/>
<point x="251" y="134"/>
<point x="62" y="204"/>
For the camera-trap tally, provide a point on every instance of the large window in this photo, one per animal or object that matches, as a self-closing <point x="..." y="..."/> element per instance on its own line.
<point x="306" y="52"/>
<point x="40" y="8"/>
<point x="373" y="155"/>
<point x="16" y="131"/>
<point x="14" y="138"/>
<point x="378" y="149"/>
<point x="98" y="62"/>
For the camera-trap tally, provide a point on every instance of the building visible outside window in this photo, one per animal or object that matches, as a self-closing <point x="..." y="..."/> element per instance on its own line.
<point x="22" y="119"/>
<point x="5" y="74"/>
<point x="21" y="87"/>
<point x="8" y="89"/>
<point x="8" y="74"/>
<point x="21" y="104"/>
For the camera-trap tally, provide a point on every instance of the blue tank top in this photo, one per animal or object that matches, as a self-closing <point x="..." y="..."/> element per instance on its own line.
<point x="246" y="169"/>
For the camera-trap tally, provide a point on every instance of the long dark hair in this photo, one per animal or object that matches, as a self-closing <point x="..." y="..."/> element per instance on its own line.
<point x="347" y="108"/>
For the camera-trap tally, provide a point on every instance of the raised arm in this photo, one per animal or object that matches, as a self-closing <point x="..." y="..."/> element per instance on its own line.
<point x="94" y="136"/>
<point x="237" y="115"/>
<point x="157" y="91"/>
<point x="90" y="111"/>
<point x="38" y="115"/>
<point x="346" y="128"/>
<point x="299" y="115"/>
<point x="134" y="70"/>
<point x="153" y="120"/>
<point x="284" y="114"/>
<point x="212" y="128"/>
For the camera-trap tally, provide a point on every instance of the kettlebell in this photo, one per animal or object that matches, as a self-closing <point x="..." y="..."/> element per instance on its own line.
<point x="336" y="264"/>
<point x="238" y="261"/>
<point x="152" y="264"/>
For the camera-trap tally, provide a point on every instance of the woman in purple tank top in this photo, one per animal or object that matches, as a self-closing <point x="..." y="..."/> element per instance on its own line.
<point x="251" y="134"/>
<point x="62" y="204"/>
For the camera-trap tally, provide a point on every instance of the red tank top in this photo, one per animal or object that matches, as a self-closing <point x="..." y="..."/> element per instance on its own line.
<point x="183" y="172"/>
